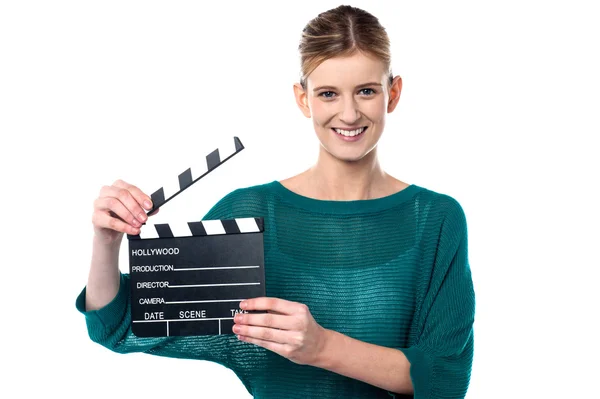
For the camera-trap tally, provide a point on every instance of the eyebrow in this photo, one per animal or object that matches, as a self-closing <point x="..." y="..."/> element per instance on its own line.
<point x="335" y="88"/>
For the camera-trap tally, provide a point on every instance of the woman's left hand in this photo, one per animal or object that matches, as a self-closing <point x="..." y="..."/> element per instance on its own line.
<point x="288" y="329"/>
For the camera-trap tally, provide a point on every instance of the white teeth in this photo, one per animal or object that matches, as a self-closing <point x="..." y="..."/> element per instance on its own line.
<point x="350" y="133"/>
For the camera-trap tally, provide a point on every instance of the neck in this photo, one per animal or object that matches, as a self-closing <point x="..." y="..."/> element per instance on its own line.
<point x="334" y="179"/>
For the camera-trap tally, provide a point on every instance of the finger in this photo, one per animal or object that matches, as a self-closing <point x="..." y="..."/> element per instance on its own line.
<point x="142" y="199"/>
<point x="103" y="219"/>
<point x="278" y="348"/>
<point x="115" y="208"/>
<point x="127" y="199"/>
<point x="265" y="334"/>
<point x="276" y="304"/>
<point x="268" y="320"/>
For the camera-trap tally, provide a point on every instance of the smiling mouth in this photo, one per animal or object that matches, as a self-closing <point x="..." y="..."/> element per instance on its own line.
<point x="350" y="133"/>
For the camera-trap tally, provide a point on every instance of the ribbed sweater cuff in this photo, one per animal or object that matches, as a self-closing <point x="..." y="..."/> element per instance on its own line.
<point x="421" y="368"/>
<point x="109" y="316"/>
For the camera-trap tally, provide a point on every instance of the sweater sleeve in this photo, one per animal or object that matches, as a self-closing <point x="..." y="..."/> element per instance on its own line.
<point x="441" y="353"/>
<point x="110" y="326"/>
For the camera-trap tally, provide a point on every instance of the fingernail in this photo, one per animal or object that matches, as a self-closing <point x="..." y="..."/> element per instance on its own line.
<point x="243" y="304"/>
<point x="136" y="223"/>
<point x="142" y="217"/>
<point x="148" y="204"/>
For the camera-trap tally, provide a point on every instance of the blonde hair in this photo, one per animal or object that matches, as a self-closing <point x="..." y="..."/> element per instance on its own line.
<point x="342" y="31"/>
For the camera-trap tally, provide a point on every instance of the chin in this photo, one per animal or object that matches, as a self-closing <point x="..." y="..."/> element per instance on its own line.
<point x="348" y="156"/>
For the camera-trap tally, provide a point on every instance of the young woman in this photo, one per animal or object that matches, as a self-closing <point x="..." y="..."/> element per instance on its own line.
<point x="369" y="289"/>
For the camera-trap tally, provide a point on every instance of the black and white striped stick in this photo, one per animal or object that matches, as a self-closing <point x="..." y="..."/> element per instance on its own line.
<point x="195" y="173"/>
<point x="200" y="228"/>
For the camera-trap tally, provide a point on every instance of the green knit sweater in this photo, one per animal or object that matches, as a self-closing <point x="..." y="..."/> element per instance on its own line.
<point x="390" y="271"/>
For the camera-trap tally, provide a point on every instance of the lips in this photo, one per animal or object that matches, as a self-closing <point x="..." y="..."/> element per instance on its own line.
<point x="350" y="132"/>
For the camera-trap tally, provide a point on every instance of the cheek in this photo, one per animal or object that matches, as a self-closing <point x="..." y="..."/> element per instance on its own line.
<point x="375" y="110"/>
<point x="320" y="113"/>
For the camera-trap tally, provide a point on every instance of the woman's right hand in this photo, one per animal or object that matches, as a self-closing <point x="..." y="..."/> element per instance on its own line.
<point x="119" y="209"/>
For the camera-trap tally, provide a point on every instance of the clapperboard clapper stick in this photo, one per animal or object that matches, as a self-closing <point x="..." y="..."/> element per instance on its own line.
<point x="189" y="278"/>
<point x="191" y="175"/>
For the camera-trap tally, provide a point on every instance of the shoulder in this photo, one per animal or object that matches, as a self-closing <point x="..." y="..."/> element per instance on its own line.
<point x="444" y="225"/>
<point x="443" y="208"/>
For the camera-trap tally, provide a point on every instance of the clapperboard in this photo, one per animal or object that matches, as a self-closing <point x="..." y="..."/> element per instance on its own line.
<point x="189" y="278"/>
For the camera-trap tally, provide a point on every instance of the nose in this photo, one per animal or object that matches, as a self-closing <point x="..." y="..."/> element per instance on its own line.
<point x="350" y="113"/>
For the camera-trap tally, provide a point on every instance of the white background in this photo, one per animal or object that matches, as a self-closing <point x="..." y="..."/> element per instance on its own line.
<point x="500" y="109"/>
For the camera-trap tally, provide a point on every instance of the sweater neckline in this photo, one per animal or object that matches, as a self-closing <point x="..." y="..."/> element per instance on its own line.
<point x="342" y="206"/>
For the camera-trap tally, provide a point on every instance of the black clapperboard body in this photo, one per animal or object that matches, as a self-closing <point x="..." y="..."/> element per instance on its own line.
<point x="189" y="278"/>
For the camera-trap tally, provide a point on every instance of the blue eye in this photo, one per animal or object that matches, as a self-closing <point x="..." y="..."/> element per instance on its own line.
<point x="327" y="94"/>
<point x="368" y="91"/>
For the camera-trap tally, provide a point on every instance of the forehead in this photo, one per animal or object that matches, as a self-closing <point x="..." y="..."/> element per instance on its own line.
<point x="348" y="71"/>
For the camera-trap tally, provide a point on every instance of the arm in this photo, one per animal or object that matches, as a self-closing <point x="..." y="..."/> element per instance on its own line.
<point x="376" y="365"/>
<point x="105" y="301"/>
<point x="103" y="278"/>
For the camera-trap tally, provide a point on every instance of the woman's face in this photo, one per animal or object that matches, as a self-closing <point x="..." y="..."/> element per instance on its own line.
<point x="348" y="99"/>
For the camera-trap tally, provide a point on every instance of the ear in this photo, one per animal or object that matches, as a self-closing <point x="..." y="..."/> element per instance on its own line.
<point x="395" y="90"/>
<point x="301" y="99"/>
